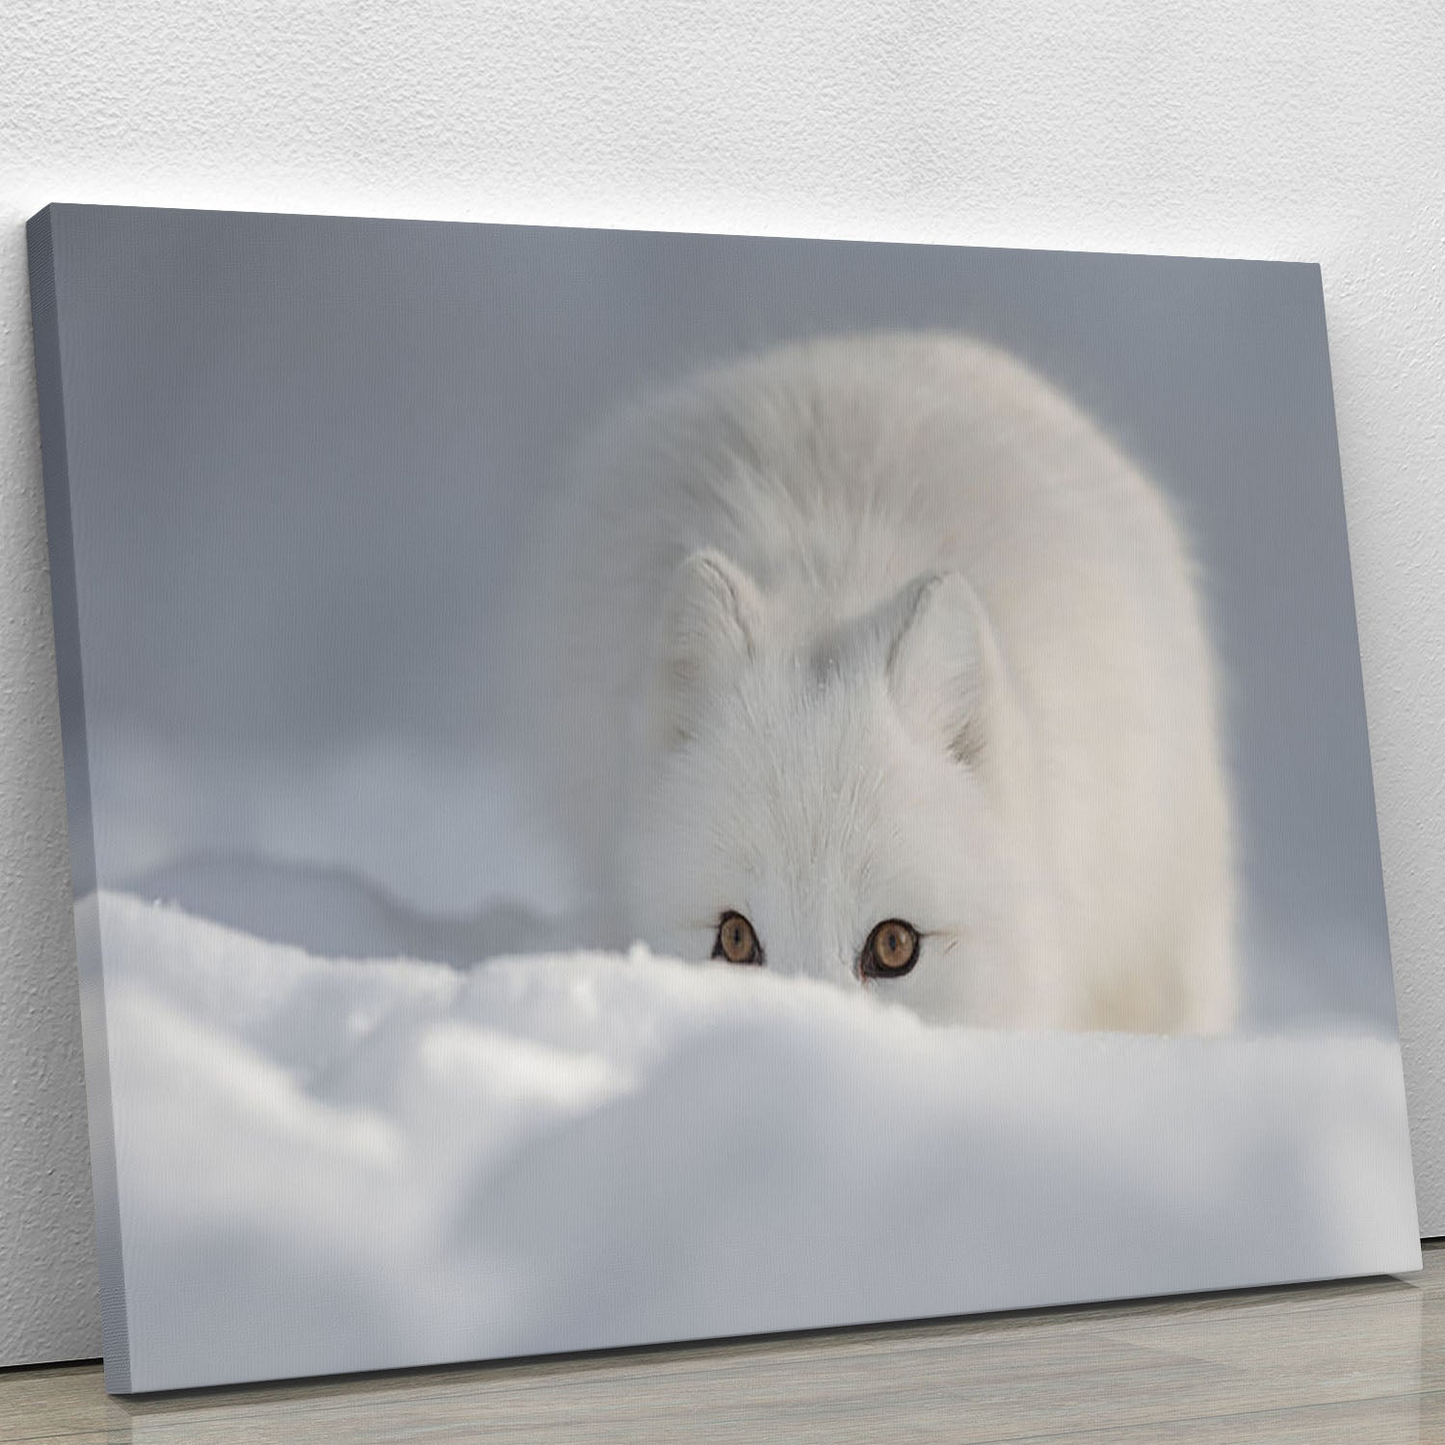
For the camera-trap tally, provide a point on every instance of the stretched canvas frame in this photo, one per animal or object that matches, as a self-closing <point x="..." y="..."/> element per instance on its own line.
<point x="376" y="1076"/>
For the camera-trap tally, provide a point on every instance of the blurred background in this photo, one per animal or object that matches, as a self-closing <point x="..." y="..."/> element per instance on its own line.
<point x="302" y="452"/>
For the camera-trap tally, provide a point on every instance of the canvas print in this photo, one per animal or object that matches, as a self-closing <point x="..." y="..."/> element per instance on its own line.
<point x="630" y="787"/>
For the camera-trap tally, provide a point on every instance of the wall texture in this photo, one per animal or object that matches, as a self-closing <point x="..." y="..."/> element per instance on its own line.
<point x="1300" y="132"/>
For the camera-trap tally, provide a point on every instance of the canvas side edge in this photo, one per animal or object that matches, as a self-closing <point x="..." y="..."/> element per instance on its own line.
<point x="45" y="319"/>
<point x="1317" y="287"/>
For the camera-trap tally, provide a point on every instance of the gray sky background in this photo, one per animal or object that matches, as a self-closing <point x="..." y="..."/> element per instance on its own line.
<point x="302" y="449"/>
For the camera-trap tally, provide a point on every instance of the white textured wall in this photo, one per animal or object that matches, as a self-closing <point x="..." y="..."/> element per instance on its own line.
<point x="1295" y="131"/>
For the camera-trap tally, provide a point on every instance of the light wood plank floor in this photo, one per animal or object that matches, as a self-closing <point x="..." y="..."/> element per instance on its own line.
<point x="1362" y="1361"/>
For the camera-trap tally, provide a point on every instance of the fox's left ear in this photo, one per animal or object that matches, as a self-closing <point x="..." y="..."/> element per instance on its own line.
<point x="942" y="661"/>
<point x="710" y="621"/>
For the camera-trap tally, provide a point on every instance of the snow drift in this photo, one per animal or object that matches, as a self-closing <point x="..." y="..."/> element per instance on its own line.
<point x="329" y="1165"/>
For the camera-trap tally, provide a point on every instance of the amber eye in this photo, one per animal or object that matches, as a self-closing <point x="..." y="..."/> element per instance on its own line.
<point x="891" y="950"/>
<point x="736" y="940"/>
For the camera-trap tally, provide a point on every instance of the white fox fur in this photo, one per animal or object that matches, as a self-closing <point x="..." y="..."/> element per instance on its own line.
<point x="884" y="627"/>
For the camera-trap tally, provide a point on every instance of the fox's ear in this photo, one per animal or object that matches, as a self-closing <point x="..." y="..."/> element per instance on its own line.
<point x="710" y="623"/>
<point x="940" y="661"/>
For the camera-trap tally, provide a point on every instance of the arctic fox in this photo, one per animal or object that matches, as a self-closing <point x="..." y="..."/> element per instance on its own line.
<point x="873" y="659"/>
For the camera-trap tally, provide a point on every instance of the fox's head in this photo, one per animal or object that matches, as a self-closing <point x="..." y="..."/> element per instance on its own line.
<point x="818" y="800"/>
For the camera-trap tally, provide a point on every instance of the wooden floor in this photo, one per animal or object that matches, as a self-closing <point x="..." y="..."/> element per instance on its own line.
<point x="1363" y="1361"/>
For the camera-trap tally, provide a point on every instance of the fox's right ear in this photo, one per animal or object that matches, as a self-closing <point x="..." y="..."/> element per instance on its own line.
<point x="943" y="667"/>
<point x="710" y="622"/>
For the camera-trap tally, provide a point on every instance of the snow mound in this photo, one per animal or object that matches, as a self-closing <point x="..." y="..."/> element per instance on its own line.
<point x="328" y="1165"/>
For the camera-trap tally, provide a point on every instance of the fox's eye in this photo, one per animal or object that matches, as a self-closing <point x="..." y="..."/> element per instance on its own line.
<point x="736" y="941"/>
<point x="891" y="950"/>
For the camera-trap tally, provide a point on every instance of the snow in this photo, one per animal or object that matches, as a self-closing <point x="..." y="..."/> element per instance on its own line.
<point x="328" y="1164"/>
<point x="442" y="835"/>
